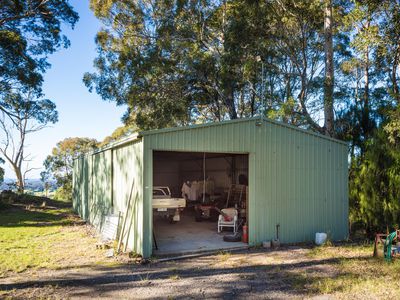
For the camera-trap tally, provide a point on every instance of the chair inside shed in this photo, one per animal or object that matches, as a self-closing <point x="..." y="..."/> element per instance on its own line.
<point x="208" y="183"/>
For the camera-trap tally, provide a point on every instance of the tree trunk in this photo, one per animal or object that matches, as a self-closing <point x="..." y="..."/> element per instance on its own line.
<point x="365" y="112"/>
<point x="230" y="101"/>
<point x="20" y="179"/>
<point x="396" y="91"/>
<point x="329" y="70"/>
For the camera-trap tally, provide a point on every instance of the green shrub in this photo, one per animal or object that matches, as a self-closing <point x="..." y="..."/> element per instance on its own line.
<point x="63" y="193"/>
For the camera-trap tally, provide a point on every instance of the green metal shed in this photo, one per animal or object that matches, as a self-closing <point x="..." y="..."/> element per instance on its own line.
<point x="296" y="178"/>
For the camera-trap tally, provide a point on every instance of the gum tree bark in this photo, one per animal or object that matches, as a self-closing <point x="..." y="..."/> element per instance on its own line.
<point x="329" y="70"/>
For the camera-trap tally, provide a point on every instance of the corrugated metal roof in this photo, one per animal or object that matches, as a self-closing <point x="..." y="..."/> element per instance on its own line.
<point x="160" y="131"/>
<point x="136" y="136"/>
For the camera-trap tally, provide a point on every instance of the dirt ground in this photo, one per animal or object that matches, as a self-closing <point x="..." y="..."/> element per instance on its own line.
<point x="251" y="274"/>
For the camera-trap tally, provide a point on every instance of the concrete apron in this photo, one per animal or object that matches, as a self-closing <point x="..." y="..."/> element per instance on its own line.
<point x="180" y="256"/>
<point x="188" y="237"/>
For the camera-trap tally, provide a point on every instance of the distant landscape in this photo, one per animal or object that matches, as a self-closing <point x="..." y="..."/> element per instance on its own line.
<point x="31" y="185"/>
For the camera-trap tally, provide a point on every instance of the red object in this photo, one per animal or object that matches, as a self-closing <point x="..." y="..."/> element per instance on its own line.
<point x="227" y="219"/>
<point x="245" y="235"/>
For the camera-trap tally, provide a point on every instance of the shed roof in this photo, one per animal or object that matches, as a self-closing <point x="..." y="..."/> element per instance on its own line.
<point x="262" y="119"/>
<point x="137" y="136"/>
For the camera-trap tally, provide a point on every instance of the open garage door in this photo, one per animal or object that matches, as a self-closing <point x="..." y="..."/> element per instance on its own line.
<point x="200" y="201"/>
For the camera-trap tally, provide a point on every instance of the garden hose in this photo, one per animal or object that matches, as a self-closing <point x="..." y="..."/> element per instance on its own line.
<point x="388" y="246"/>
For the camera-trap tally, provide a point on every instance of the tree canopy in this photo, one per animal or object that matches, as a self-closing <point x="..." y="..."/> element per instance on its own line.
<point x="330" y="66"/>
<point x="29" y="31"/>
<point x="60" y="163"/>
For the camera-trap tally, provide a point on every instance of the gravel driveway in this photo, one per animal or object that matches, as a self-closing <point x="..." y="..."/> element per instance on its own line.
<point x="251" y="274"/>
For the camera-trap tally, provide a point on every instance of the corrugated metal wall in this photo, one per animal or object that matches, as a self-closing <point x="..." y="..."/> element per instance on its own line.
<point x="296" y="179"/>
<point x="100" y="201"/>
<point x="128" y="182"/>
<point x="82" y="181"/>
<point x="103" y="183"/>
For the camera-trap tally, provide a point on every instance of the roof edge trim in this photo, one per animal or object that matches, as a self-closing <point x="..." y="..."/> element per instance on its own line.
<point x="131" y="138"/>
<point x="195" y="126"/>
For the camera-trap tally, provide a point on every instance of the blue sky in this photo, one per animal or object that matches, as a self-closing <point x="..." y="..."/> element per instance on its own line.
<point x="81" y="113"/>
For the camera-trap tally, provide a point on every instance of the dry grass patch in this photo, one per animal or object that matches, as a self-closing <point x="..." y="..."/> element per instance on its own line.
<point x="357" y="274"/>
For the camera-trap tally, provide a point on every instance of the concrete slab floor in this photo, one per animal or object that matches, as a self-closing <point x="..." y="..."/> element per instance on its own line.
<point x="189" y="236"/>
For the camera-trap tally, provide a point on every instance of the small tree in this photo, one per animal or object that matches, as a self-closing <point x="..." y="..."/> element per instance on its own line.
<point x="60" y="163"/>
<point x="25" y="116"/>
<point x="45" y="179"/>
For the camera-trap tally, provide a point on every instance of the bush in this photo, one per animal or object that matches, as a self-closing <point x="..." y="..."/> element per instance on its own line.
<point x="6" y="199"/>
<point x="375" y="186"/>
<point x="63" y="193"/>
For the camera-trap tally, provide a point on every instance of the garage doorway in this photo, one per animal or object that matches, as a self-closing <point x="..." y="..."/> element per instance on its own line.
<point x="193" y="192"/>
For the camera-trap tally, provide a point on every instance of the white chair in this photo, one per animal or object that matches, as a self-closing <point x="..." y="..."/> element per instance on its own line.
<point x="229" y="220"/>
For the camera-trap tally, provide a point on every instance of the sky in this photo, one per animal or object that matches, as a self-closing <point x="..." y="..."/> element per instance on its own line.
<point x="81" y="114"/>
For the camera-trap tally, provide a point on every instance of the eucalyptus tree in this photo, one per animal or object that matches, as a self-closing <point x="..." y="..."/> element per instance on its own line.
<point x="25" y="115"/>
<point x="59" y="164"/>
<point x="30" y="30"/>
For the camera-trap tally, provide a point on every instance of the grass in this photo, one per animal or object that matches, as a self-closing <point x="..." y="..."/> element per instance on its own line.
<point x="33" y="237"/>
<point x="174" y="277"/>
<point x="224" y="256"/>
<point x="356" y="273"/>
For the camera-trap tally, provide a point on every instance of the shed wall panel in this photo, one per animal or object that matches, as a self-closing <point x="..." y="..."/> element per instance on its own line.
<point x="128" y="186"/>
<point x="104" y="181"/>
<point x="82" y="182"/>
<point x="100" y="203"/>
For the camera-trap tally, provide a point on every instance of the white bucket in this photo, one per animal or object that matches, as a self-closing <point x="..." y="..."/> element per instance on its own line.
<point x="320" y="238"/>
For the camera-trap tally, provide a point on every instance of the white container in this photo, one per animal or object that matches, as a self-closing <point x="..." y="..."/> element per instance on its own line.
<point x="320" y="238"/>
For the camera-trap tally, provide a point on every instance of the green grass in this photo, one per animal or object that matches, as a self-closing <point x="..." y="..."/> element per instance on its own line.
<point x="34" y="237"/>
<point x="27" y="238"/>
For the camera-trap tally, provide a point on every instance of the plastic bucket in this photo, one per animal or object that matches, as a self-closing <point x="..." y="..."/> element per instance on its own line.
<point x="320" y="238"/>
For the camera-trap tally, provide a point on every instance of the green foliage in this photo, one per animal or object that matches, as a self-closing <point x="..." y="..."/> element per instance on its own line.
<point x="20" y="106"/>
<point x="183" y="62"/>
<point x="29" y="31"/>
<point x="64" y="192"/>
<point x="119" y="133"/>
<point x="60" y="163"/>
<point x="375" y="185"/>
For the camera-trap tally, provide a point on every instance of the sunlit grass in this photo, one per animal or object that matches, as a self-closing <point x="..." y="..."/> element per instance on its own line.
<point x="224" y="256"/>
<point x="356" y="273"/>
<point x="42" y="238"/>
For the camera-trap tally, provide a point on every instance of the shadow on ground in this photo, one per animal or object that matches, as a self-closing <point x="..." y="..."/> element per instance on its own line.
<point x="240" y="281"/>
